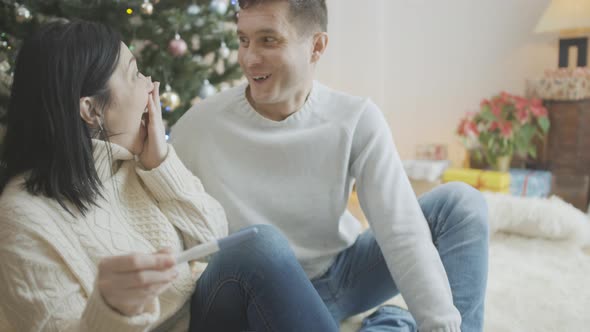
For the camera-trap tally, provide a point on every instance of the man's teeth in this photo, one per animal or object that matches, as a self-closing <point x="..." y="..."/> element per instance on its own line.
<point x="260" y="78"/>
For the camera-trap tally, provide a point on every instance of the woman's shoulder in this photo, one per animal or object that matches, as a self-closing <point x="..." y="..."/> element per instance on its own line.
<point x="19" y="207"/>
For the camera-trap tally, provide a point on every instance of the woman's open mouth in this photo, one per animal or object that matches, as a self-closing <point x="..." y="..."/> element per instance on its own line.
<point x="144" y="118"/>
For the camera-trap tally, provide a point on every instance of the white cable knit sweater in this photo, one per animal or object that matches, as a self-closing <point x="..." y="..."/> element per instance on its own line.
<point x="49" y="258"/>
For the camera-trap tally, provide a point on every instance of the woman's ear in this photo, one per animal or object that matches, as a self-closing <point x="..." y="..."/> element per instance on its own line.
<point x="320" y="43"/>
<point x="87" y="112"/>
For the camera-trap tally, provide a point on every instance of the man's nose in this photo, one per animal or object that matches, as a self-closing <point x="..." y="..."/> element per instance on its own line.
<point x="252" y="57"/>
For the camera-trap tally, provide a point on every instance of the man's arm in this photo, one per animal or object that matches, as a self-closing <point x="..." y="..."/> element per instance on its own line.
<point x="398" y="223"/>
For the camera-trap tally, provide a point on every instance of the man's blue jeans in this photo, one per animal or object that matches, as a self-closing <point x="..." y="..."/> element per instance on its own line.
<point x="260" y="286"/>
<point x="360" y="279"/>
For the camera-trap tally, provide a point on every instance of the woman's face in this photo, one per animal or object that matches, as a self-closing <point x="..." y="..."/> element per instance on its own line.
<point x="129" y="97"/>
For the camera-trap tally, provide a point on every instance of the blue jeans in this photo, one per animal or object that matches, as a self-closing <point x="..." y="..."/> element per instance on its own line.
<point x="258" y="286"/>
<point x="359" y="278"/>
<point x="261" y="287"/>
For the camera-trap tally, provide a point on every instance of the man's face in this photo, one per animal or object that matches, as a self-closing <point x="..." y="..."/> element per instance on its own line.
<point x="275" y="57"/>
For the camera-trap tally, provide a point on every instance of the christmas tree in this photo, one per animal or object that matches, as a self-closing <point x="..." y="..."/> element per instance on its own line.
<point x="188" y="45"/>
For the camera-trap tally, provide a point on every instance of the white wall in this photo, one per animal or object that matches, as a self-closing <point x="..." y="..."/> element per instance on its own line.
<point x="427" y="62"/>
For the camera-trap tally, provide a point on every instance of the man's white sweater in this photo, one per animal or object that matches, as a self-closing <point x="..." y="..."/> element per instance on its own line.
<point x="297" y="174"/>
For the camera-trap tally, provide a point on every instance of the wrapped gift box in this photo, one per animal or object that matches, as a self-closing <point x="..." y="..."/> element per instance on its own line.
<point x="480" y="179"/>
<point x="530" y="183"/>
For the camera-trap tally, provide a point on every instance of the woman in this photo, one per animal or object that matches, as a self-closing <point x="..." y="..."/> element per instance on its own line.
<point x="94" y="203"/>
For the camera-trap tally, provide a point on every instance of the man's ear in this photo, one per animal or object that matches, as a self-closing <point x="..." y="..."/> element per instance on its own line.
<point x="87" y="112"/>
<point x="320" y="43"/>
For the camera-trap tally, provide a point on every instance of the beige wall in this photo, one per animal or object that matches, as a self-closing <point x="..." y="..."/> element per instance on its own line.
<point x="427" y="62"/>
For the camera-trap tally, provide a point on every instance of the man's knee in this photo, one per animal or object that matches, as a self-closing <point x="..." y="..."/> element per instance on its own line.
<point x="470" y="202"/>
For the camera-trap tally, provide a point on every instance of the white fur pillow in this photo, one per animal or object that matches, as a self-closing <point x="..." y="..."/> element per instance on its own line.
<point x="549" y="218"/>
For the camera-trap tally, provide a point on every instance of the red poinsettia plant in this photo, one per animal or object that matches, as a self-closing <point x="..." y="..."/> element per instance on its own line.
<point x="505" y="125"/>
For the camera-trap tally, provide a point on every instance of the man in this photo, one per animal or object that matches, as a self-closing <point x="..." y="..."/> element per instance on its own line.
<point x="285" y="150"/>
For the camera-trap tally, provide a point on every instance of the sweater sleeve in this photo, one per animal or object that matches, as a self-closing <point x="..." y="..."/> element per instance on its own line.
<point x="400" y="228"/>
<point x="39" y="292"/>
<point x="183" y="200"/>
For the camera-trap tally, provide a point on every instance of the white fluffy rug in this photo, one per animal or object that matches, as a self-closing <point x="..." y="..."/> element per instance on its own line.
<point x="539" y="269"/>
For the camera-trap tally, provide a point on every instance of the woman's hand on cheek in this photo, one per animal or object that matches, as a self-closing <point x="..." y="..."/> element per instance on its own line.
<point x="155" y="147"/>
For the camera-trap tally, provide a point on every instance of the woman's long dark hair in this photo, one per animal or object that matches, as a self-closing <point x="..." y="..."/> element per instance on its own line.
<point x="46" y="137"/>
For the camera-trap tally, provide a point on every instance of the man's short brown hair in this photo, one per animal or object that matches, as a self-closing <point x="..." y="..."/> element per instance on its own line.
<point x="306" y="13"/>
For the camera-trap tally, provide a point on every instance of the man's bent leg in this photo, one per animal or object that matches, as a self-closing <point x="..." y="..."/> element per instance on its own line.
<point x="458" y="219"/>
<point x="359" y="279"/>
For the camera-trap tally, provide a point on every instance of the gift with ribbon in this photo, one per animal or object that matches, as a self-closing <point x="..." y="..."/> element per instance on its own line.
<point x="480" y="179"/>
<point x="530" y="183"/>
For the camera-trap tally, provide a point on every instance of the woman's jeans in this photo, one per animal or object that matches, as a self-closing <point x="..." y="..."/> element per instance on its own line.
<point x="258" y="286"/>
<point x="261" y="287"/>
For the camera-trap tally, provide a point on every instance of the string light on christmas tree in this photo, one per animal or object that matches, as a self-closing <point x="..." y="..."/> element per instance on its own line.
<point x="129" y="11"/>
<point x="147" y="8"/>
<point x="193" y="9"/>
<point x="218" y="6"/>
<point x="207" y="90"/>
<point x="224" y="51"/>
<point x="177" y="46"/>
<point x="169" y="100"/>
<point x="23" y="14"/>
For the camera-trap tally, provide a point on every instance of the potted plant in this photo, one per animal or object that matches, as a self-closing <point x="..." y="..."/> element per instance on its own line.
<point x="505" y="125"/>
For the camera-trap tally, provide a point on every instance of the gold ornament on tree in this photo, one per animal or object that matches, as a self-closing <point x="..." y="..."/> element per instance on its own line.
<point x="169" y="99"/>
<point x="147" y="8"/>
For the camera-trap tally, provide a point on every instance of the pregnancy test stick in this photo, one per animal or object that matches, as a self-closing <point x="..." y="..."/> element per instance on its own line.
<point x="208" y="248"/>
